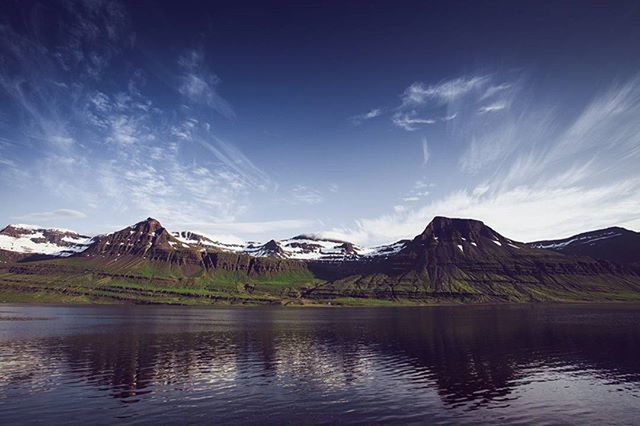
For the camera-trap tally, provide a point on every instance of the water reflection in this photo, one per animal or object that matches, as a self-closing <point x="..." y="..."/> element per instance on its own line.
<point x="321" y="365"/>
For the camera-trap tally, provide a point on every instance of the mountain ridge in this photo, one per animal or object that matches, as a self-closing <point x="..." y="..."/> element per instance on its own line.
<point x="451" y="260"/>
<point x="614" y="243"/>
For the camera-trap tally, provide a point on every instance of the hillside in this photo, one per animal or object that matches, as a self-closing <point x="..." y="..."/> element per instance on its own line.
<point x="451" y="261"/>
<point x="615" y="244"/>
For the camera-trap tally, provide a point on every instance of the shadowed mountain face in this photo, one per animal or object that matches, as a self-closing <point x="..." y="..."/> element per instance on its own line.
<point x="451" y="260"/>
<point x="463" y="258"/>
<point x="615" y="244"/>
<point x="146" y="238"/>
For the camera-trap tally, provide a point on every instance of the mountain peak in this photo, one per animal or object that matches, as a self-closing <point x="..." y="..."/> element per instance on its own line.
<point x="148" y="225"/>
<point x="442" y="226"/>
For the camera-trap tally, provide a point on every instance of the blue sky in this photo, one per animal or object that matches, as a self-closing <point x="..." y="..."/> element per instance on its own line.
<point x="350" y="119"/>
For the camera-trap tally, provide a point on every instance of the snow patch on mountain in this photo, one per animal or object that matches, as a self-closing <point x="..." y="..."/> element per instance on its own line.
<point x="582" y="239"/>
<point x="33" y="239"/>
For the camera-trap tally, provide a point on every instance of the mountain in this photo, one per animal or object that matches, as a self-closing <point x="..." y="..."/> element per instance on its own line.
<point x="314" y="248"/>
<point x="204" y="242"/>
<point x="450" y="261"/>
<point x="300" y="247"/>
<point x="466" y="259"/>
<point x="23" y="241"/>
<point x="615" y="244"/>
<point x="146" y="239"/>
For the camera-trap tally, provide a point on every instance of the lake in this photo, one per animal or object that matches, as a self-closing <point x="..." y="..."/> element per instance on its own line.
<point x="466" y="364"/>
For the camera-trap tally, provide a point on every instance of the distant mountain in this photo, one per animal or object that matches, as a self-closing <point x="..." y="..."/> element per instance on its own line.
<point x="615" y="244"/>
<point x="150" y="238"/>
<point x="22" y="241"/>
<point x="146" y="238"/>
<point x="450" y="261"/>
<point x="313" y="248"/>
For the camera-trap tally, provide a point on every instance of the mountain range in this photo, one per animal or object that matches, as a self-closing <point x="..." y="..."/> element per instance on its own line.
<point x="450" y="261"/>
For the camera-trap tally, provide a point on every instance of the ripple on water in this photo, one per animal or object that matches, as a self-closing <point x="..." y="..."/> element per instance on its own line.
<point x="354" y="366"/>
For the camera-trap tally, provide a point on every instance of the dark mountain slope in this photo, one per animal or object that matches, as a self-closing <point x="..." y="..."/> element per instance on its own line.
<point x="464" y="258"/>
<point x="452" y="260"/>
<point x="615" y="244"/>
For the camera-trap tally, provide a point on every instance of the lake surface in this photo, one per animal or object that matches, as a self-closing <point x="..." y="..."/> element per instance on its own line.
<point x="470" y="364"/>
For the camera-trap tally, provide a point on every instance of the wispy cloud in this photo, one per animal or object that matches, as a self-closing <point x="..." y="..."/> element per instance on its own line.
<point x="305" y="195"/>
<point x="425" y="152"/>
<point x="199" y="85"/>
<point x="443" y="92"/>
<point x="358" y="119"/>
<point x="536" y="178"/>
<point x="495" y="89"/>
<point x="52" y="215"/>
<point x="117" y="144"/>
<point x="410" y="121"/>
<point x="496" y="106"/>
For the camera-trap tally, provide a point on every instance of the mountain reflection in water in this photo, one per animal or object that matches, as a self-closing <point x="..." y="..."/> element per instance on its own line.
<point x="94" y="364"/>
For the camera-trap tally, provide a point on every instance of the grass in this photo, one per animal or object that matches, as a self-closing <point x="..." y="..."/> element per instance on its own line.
<point x="80" y="280"/>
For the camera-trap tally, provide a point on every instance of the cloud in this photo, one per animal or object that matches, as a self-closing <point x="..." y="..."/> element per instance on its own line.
<point x="443" y="92"/>
<point x="534" y="176"/>
<point x="425" y="152"/>
<point x="358" y="119"/>
<point x="53" y="215"/>
<point x="304" y="195"/>
<point x="558" y="212"/>
<point x="494" y="89"/>
<point x="118" y="145"/>
<point x="199" y="85"/>
<point x="496" y="106"/>
<point x="409" y="121"/>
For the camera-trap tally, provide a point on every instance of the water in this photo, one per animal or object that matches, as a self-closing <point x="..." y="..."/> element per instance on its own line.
<point x="469" y="364"/>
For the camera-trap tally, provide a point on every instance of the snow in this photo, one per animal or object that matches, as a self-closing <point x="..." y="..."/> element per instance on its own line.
<point x="474" y="244"/>
<point x="28" y="243"/>
<point x="585" y="239"/>
<point x="40" y="228"/>
<point x="385" y="250"/>
<point x="301" y="247"/>
<point x="207" y="241"/>
<point x="514" y="246"/>
<point x="460" y="247"/>
<point x="497" y="242"/>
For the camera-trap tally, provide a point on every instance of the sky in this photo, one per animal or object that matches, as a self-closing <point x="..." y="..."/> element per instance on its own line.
<point x="349" y="119"/>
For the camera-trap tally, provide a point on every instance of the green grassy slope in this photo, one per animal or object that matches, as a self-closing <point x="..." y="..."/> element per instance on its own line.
<point x="136" y="280"/>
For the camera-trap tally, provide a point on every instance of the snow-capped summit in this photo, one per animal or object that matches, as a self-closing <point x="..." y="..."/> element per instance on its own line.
<point x="33" y="239"/>
<point x="207" y="242"/>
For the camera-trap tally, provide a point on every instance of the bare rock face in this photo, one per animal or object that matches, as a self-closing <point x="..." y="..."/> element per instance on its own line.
<point x="147" y="239"/>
